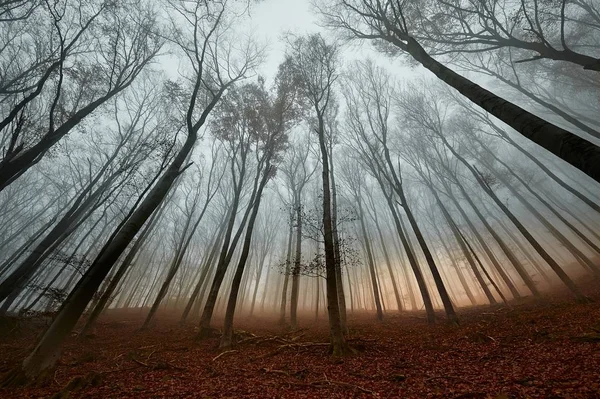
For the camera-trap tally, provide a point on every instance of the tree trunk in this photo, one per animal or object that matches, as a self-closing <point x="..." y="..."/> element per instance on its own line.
<point x="286" y="276"/>
<point x="227" y="337"/>
<point x="339" y="345"/>
<point x="573" y="149"/>
<point x="448" y="307"/>
<point x="297" y="263"/>
<point x="370" y="263"/>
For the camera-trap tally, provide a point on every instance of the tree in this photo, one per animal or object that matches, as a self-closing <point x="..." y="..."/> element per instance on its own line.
<point x="210" y="78"/>
<point x="124" y="43"/>
<point x="314" y="62"/>
<point x="388" y="22"/>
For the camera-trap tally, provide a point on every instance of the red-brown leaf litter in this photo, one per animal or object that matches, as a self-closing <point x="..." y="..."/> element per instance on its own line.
<point x="534" y="349"/>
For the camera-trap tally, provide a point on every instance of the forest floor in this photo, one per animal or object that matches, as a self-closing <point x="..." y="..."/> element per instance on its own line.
<point x="535" y="349"/>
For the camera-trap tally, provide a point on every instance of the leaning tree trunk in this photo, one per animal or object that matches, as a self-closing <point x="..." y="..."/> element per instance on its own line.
<point x="206" y="266"/>
<point x="509" y="254"/>
<point x="46" y="352"/>
<point x="515" y="293"/>
<point x="534" y="243"/>
<point x="489" y="277"/>
<point x="437" y="278"/>
<point x="571" y="148"/>
<point x="459" y="272"/>
<point x="225" y="258"/>
<point x="410" y="255"/>
<point x="463" y="247"/>
<point x="227" y="337"/>
<point x="586" y="262"/>
<point x="108" y="292"/>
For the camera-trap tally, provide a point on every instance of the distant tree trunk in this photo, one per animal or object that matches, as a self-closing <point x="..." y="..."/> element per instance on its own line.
<point x="260" y="265"/>
<point x="576" y="252"/>
<point x="370" y="262"/>
<point x="465" y="249"/>
<point x="534" y="243"/>
<point x="515" y="293"/>
<point x="297" y="263"/>
<point x="388" y="262"/>
<point x="8" y="263"/>
<point x="410" y="255"/>
<point x="286" y="275"/>
<point x="525" y="251"/>
<point x="78" y="211"/>
<point x="227" y="337"/>
<point x="459" y="272"/>
<point x="349" y="288"/>
<point x="318" y="289"/>
<point x="206" y="267"/>
<point x="437" y="278"/>
<point x="509" y="254"/>
<point x="186" y="238"/>
<point x="407" y="279"/>
<point x="489" y="277"/>
<point x="569" y="212"/>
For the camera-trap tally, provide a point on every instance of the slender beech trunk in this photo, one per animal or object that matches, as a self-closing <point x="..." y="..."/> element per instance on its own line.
<point x="465" y="249"/>
<point x="509" y="254"/>
<point x="339" y="345"/>
<point x="123" y="268"/>
<point x="370" y="263"/>
<point x="47" y="350"/>
<point x="286" y="275"/>
<point x="227" y="337"/>
<point x="297" y="263"/>
<point x="336" y="247"/>
<point x="459" y="272"/>
<point x="410" y="255"/>
<point x="534" y="243"/>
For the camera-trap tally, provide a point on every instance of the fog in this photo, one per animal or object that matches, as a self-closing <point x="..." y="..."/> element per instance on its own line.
<point x="212" y="162"/>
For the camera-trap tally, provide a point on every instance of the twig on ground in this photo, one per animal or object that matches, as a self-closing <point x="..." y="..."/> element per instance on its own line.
<point x="140" y="362"/>
<point x="266" y="370"/>
<point x="449" y="377"/>
<point x="327" y="382"/>
<point x="222" y="354"/>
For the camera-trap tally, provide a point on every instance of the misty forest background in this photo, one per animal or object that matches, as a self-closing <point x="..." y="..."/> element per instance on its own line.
<point x="417" y="156"/>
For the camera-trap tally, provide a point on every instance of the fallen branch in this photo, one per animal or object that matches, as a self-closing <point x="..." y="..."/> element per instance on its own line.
<point x="327" y="382"/>
<point x="266" y="370"/>
<point x="449" y="377"/>
<point x="222" y="354"/>
<point x="140" y="362"/>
